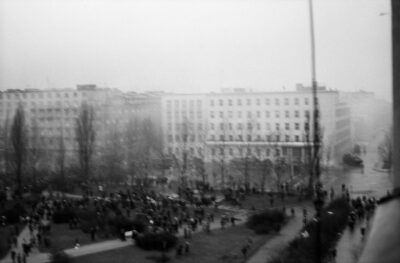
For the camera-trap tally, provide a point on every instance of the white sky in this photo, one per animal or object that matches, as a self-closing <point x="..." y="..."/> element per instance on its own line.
<point x="194" y="46"/>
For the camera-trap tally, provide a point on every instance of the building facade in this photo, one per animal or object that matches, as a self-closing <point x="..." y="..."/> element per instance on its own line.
<point x="51" y="117"/>
<point x="219" y="127"/>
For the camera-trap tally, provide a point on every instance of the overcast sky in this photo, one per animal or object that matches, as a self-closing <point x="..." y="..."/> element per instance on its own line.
<point x="194" y="46"/>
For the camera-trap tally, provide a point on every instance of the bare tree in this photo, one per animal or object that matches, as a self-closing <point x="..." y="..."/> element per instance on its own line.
<point x="113" y="157"/>
<point x="19" y="141"/>
<point x="150" y="147"/>
<point x="249" y="136"/>
<point x="7" y="147"/>
<point x="222" y="145"/>
<point x="181" y="162"/>
<point x="85" y="136"/>
<point x="385" y="150"/>
<point x="35" y="150"/>
<point x="132" y="148"/>
<point x="200" y="164"/>
<point x="61" y="156"/>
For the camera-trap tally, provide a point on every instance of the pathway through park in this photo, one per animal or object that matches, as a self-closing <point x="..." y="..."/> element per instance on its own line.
<point x="277" y="243"/>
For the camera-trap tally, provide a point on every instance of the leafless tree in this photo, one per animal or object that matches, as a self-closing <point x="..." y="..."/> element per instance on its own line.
<point x="113" y="156"/>
<point x="385" y="150"/>
<point x="185" y="130"/>
<point x="202" y="131"/>
<point x="279" y="163"/>
<point x="222" y="133"/>
<point x="35" y="150"/>
<point x="266" y="169"/>
<point x="60" y="159"/>
<point x="7" y="147"/>
<point x="150" y="146"/>
<point x="132" y="152"/>
<point x="19" y="139"/>
<point x="85" y="136"/>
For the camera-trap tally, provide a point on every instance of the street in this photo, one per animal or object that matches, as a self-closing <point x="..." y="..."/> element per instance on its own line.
<point x="372" y="182"/>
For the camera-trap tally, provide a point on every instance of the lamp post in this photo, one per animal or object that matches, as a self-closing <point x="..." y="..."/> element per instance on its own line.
<point x="319" y="199"/>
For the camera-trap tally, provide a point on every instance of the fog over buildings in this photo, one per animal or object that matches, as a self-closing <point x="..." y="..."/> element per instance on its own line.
<point x="194" y="46"/>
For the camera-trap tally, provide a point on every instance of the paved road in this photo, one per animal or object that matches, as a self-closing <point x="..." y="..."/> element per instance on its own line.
<point x="371" y="182"/>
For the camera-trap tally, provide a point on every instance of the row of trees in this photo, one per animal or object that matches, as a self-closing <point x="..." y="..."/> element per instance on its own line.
<point x="246" y="165"/>
<point x="134" y="149"/>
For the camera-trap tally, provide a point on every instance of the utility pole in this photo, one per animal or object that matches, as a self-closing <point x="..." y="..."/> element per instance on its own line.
<point x="319" y="200"/>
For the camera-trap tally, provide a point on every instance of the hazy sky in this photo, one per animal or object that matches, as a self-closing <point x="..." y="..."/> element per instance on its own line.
<point x="194" y="46"/>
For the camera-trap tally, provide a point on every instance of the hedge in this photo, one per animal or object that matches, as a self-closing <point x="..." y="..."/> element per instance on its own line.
<point x="60" y="257"/>
<point x="304" y="250"/>
<point x="14" y="213"/>
<point x="121" y="222"/>
<point x="266" y="221"/>
<point x="156" y="241"/>
<point x="64" y="215"/>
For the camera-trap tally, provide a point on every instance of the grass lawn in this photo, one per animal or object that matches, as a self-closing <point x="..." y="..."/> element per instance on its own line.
<point x="62" y="237"/>
<point x="220" y="246"/>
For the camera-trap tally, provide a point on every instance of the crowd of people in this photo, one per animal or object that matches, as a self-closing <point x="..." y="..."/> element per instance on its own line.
<point x="38" y="222"/>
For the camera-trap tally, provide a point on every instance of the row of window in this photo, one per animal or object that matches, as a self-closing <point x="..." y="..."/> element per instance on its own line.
<point x="239" y="102"/>
<point x="222" y="138"/>
<point x="40" y="95"/>
<point x="231" y="151"/>
<point x="258" y="101"/>
<point x="185" y="115"/>
<point x="230" y="114"/>
<point x="268" y="138"/>
<point x="239" y="126"/>
<point x="184" y="103"/>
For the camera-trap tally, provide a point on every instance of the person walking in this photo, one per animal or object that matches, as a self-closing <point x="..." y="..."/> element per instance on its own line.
<point x="187" y="247"/>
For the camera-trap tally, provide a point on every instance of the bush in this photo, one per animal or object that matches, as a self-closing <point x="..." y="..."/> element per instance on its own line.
<point x="88" y="219"/>
<point x="13" y="214"/>
<point x="266" y="221"/>
<point x="60" y="257"/>
<point x="64" y="215"/>
<point x="5" y="234"/>
<point x="156" y="241"/>
<point x="304" y="250"/>
<point x="121" y="222"/>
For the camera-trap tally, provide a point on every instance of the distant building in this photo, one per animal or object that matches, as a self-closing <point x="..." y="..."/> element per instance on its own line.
<point x="369" y="114"/>
<point x="236" y="123"/>
<point x="51" y="114"/>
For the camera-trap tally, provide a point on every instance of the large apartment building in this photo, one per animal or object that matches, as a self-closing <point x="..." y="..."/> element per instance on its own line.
<point x="51" y="114"/>
<point x="265" y="125"/>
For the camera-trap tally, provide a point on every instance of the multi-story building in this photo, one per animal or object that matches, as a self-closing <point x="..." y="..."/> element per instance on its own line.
<point x="265" y="125"/>
<point x="51" y="115"/>
<point x="369" y="114"/>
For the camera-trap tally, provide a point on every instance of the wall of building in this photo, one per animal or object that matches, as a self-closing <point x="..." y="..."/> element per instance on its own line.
<point x="263" y="125"/>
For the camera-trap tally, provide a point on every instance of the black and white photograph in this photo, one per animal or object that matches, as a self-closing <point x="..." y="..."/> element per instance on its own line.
<point x="199" y="131"/>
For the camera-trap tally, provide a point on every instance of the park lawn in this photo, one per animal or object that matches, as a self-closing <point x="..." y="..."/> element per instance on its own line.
<point x="220" y="246"/>
<point x="61" y="237"/>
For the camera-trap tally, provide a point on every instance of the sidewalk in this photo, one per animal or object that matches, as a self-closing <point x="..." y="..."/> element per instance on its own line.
<point x="276" y="244"/>
<point x="351" y="244"/>
<point x="34" y="257"/>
